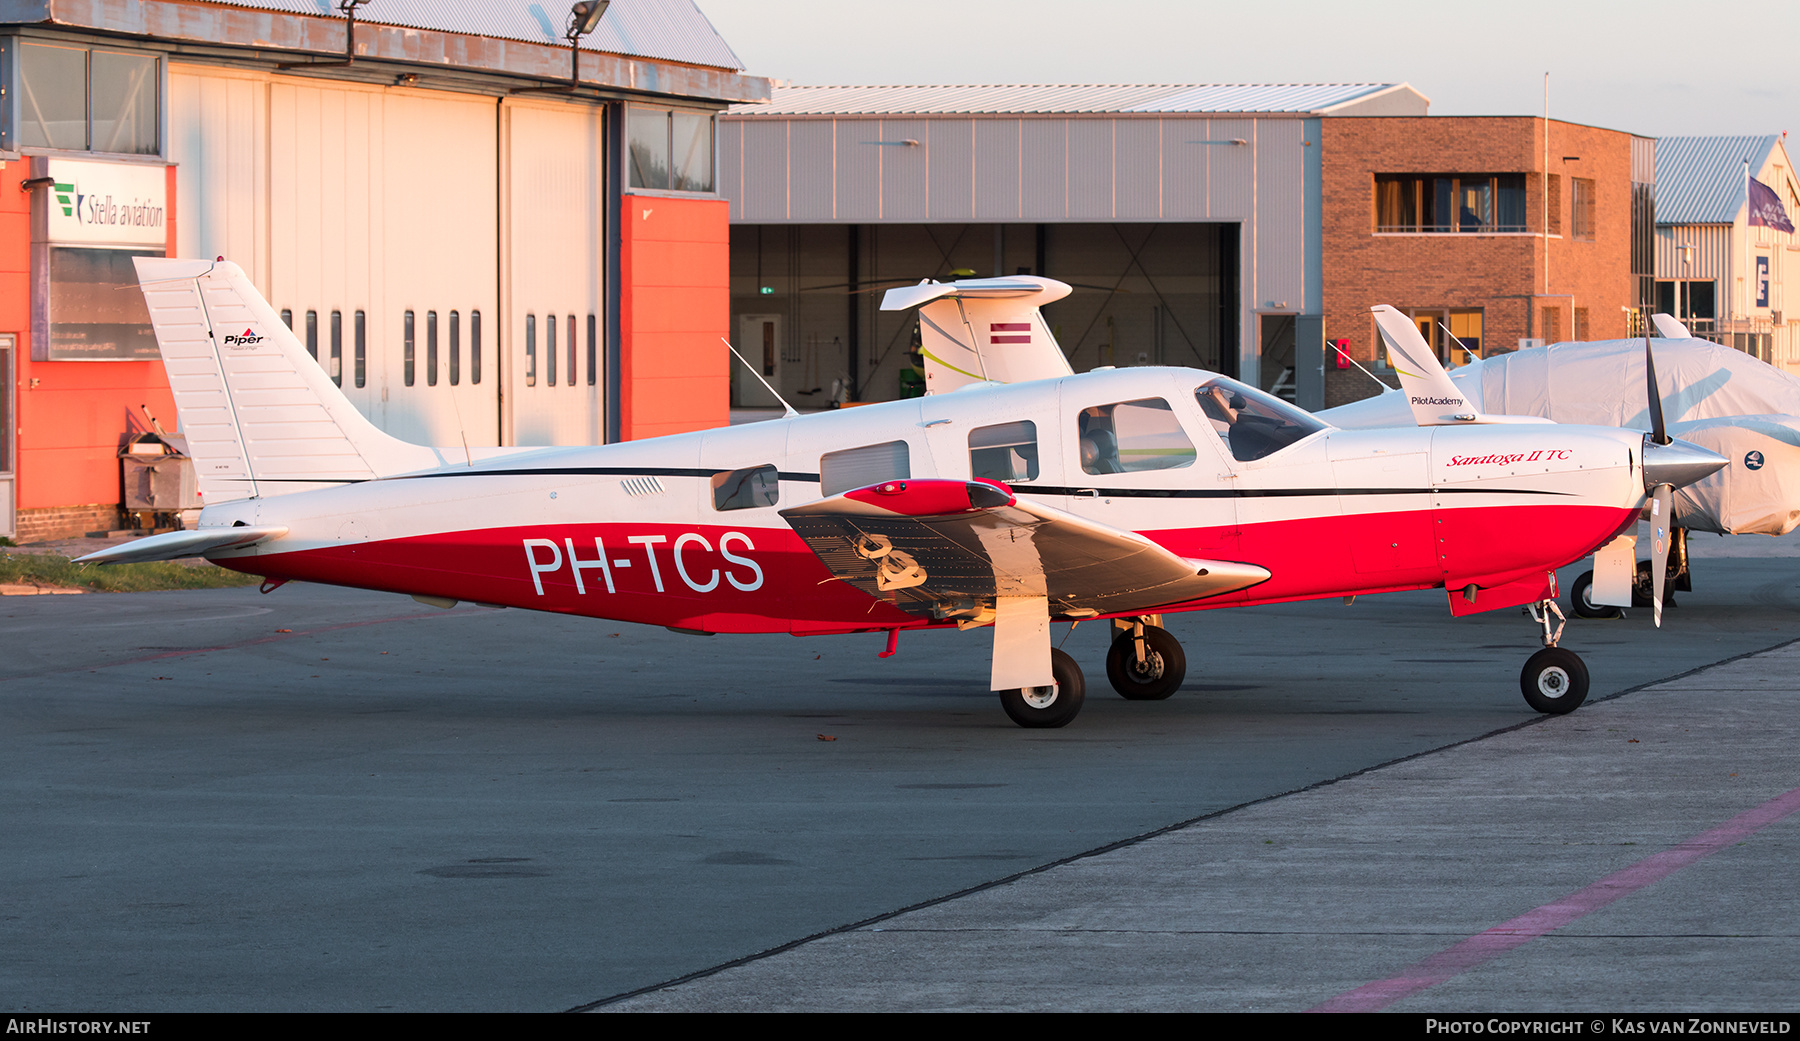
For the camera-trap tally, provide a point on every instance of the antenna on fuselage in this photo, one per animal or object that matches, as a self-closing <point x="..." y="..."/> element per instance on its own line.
<point x="791" y="411"/>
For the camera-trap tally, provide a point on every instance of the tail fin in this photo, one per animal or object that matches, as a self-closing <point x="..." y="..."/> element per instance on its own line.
<point x="984" y="329"/>
<point x="1669" y="327"/>
<point x="1435" y="398"/>
<point x="260" y="416"/>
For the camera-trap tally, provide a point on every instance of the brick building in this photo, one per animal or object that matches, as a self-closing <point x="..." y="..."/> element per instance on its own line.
<point x="1443" y="217"/>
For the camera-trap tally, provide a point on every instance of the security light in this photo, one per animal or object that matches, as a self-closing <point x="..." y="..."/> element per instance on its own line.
<point x="584" y="16"/>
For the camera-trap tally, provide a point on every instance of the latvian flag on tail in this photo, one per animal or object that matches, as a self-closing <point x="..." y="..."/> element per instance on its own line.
<point x="1765" y="207"/>
<point x="1009" y="332"/>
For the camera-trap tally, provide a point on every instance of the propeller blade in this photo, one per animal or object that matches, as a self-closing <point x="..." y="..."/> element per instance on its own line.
<point x="1658" y="431"/>
<point x="1662" y="502"/>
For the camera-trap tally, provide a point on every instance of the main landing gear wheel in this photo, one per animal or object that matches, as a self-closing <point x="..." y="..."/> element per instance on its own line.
<point x="1157" y="676"/>
<point x="1554" y="681"/>
<point x="1581" y="598"/>
<point x="1052" y="706"/>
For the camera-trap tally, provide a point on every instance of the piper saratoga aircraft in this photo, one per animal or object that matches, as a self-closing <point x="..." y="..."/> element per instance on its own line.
<point x="1122" y="494"/>
<point x="1721" y="399"/>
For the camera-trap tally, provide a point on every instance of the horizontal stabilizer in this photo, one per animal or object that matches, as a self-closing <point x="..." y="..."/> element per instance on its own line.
<point x="174" y="545"/>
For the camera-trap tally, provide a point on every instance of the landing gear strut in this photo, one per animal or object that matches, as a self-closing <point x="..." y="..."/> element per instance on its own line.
<point x="1145" y="662"/>
<point x="1554" y="680"/>
<point x="1643" y="585"/>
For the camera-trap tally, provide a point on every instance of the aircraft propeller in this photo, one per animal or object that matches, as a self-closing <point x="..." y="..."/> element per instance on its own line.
<point x="1668" y="464"/>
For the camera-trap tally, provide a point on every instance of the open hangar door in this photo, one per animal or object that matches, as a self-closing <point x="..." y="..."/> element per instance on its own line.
<point x="1145" y="294"/>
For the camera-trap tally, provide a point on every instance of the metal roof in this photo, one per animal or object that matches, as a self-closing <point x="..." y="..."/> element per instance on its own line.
<point x="1700" y="180"/>
<point x="671" y="30"/>
<point x="1287" y="98"/>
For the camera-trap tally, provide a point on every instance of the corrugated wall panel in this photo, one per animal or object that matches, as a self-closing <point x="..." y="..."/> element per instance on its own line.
<point x="1709" y="256"/>
<point x="1137" y="169"/>
<point x="217" y="138"/>
<point x="997" y="173"/>
<point x="765" y="171"/>
<point x="1231" y="167"/>
<point x="905" y="170"/>
<point x="1185" y="163"/>
<point x="950" y="151"/>
<point x="812" y="179"/>
<point x="1091" y="169"/>
<point x="731" y="164"/>
<point x="1044" y="169"/>
<point x="858" y="169"/>
<point x="1280" y="213"/>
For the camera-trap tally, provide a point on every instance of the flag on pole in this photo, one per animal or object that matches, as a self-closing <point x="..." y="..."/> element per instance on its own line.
<point x="1766" y="209"/>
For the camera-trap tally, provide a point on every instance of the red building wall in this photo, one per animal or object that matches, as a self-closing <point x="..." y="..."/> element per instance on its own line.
<point x="72" y="415"/>
<point x="674" y="279"/>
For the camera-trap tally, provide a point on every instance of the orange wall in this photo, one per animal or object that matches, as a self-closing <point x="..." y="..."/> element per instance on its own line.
<point x="70" y="423"/>
<point x="674" y="278"/>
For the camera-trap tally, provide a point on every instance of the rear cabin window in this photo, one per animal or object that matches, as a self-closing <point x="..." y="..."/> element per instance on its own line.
<point x="1132" y="436"/>
<point x="852" y="468"/>
<point x="1004" y="452"/>
<point x="746" y="489"/>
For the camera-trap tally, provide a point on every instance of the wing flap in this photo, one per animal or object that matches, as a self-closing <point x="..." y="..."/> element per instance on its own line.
<point x="956" y="564"/>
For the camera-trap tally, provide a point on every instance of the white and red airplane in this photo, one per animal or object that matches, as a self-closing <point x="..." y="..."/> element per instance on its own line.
<point x="1122" y="494"/>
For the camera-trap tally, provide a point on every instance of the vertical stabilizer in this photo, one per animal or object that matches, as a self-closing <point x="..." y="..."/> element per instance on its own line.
<point x="260" y="415"/>
<point x="1435" y="399"/>
<point x="984" y="330"/>
<point x="1669" y="327"/>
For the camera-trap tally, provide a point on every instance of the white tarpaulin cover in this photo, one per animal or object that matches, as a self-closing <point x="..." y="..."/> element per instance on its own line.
<point x="1714" y="396"/>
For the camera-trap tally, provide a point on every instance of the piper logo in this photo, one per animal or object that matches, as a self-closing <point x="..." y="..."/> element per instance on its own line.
<point x="247" y="338"/>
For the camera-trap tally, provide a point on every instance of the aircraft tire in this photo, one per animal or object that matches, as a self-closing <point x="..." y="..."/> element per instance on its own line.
<point x="1554" y="681"/>
<point x="1581" y="599"/>
<point x="1038" y="708"/>
<point x="1166" y="660"/>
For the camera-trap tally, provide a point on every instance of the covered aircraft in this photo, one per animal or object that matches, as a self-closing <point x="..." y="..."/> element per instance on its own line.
<point x="1122" y="494"/>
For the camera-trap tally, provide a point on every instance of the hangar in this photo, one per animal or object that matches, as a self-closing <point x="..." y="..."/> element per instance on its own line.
<point x="489" y="226"/>
<point x="1186" y="216"/>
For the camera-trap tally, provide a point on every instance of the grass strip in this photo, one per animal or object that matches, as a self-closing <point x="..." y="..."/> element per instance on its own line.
<point x="44" y="569"/>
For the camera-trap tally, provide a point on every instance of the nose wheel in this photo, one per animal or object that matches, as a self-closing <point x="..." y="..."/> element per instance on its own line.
<point x="1554" y="680"/>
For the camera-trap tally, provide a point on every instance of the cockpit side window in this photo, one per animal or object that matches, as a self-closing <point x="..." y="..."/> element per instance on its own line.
<point x="746" y="489"/>
<point x="1252" y="424"/>
<point x="1004" y="452"/>
<point x="1131" y="436"/>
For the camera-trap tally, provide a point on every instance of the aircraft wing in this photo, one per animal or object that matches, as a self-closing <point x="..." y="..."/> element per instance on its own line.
<point x="946" y="549"/>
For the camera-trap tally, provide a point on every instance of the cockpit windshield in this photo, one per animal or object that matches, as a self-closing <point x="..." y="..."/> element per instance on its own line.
<point x="1251" y="423"/>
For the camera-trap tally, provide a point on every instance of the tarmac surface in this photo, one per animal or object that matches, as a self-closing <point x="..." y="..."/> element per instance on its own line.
<point x="327" y="799"/>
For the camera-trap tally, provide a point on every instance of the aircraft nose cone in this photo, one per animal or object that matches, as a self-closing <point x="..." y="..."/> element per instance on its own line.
<point x="1678" y="463"/>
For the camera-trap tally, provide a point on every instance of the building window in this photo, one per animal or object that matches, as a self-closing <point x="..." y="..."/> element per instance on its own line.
<point x="408" y="357"/>
<point x="1581" y="323"/>
<point x="593" y="348"/>
<point x="431" y="349"/>
<point x="1551" y="331"/>
<point x="572" y="346"/>
<point x="474" y="346"/>
<point x="82" y="100"/>
<point x="531" y="350"/>
<point x="671" y="149"/>
<point x="550" y="351"/>
<point x="1469" y="203"/>
<point x="1687" y="300"/>
<point x="337" y="347"/>
<point x="362" y="350"/>
<point x="312" y="334"/>
<point x="1581" y="210"/>
<point x="455" y="348"/>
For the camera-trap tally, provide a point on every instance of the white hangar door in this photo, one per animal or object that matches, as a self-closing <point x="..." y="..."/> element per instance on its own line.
<point x="364" y="214"/>
<point x="553" y="272"/>
<point x="382" y="244"/>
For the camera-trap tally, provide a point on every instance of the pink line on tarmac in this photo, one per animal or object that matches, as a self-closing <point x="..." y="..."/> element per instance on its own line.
<point x="1486" y="946"/>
